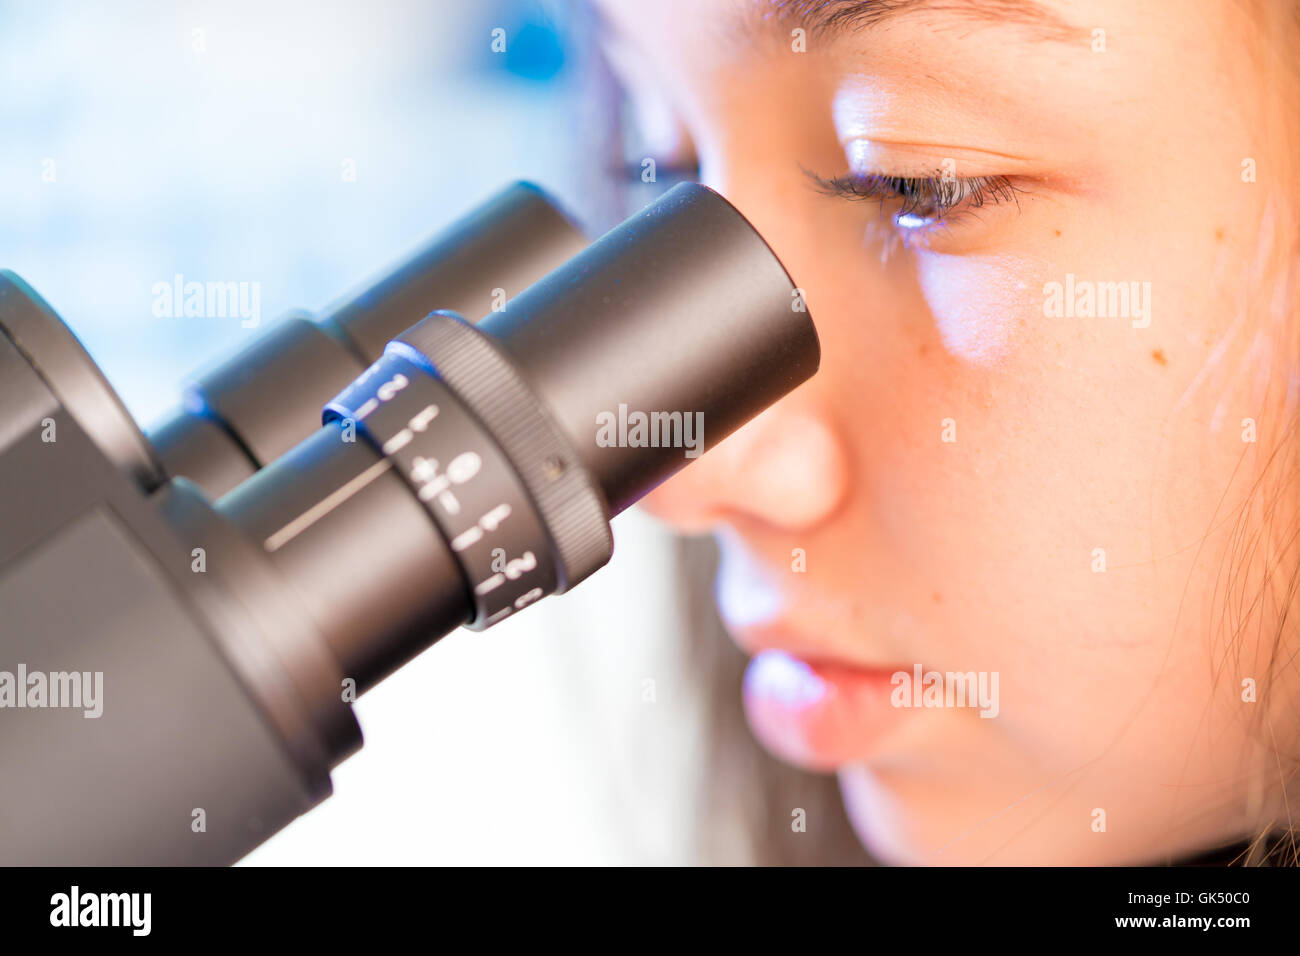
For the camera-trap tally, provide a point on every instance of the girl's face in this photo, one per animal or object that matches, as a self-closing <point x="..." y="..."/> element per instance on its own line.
<point x="1024" y="471"/>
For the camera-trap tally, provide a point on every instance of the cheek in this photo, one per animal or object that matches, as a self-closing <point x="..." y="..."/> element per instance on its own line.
<point x="980" y="304"/>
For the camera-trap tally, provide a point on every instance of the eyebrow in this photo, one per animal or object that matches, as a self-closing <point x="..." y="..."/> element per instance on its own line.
<point x="830" y="18"/>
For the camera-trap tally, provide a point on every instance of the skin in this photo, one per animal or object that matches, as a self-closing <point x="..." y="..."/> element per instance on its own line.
<point x="1119" y="690"/>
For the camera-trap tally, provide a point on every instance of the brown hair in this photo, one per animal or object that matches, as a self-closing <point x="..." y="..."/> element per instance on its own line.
<point x="1260" y="578"/>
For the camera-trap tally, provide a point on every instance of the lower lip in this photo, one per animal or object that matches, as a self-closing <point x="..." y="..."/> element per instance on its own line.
<point x="819" y="716"/>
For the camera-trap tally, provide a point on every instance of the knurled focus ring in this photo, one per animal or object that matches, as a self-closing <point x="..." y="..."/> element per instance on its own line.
<point x="487" y="382"/>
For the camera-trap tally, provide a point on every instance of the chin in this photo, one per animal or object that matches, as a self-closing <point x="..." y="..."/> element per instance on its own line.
<point x="902" y="821"/>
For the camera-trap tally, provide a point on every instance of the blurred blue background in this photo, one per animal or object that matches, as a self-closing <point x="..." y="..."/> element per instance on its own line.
<point x="300" y="145"/>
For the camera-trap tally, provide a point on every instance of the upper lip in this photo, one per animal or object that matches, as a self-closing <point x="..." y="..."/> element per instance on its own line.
<point x="744" y="585"/>
<point x="776" y="635"/>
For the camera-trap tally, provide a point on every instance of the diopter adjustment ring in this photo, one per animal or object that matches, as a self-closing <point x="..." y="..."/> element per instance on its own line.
<point x="486" y="380"/>
<point x="461" y="477"/>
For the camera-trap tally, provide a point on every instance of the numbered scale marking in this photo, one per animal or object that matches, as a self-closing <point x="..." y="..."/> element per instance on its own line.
<point x="463" y="479"/>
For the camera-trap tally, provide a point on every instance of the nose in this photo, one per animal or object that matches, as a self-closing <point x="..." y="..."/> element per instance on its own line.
<point x="786" y="469"/>
<point x="789" y="467"/>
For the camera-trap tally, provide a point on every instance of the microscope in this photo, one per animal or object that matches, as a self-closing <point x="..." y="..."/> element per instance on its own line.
<point x="188" y="615"/>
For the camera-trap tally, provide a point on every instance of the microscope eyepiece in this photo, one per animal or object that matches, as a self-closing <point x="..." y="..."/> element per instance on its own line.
<point x="500" y="433"/>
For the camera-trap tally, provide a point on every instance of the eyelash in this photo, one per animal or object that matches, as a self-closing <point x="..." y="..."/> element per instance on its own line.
<point x="932" y="198"/>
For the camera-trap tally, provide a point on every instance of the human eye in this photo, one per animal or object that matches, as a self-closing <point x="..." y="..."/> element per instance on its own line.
<point x="920" y="203"/>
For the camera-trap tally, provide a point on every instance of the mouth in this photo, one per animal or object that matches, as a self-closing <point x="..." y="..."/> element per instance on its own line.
<point x="816" y="713"/>
<point x="809" y="708"/>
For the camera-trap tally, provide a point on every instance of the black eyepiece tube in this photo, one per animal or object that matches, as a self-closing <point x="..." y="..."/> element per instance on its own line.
<point x="489" y="255"/>
<point x="518" y="439"/>
<point x="681" y="320"/>
<point x="258" y="404"/>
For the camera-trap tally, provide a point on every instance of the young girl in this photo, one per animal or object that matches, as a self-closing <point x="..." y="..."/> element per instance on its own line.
<point x="1017" y="565"/>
